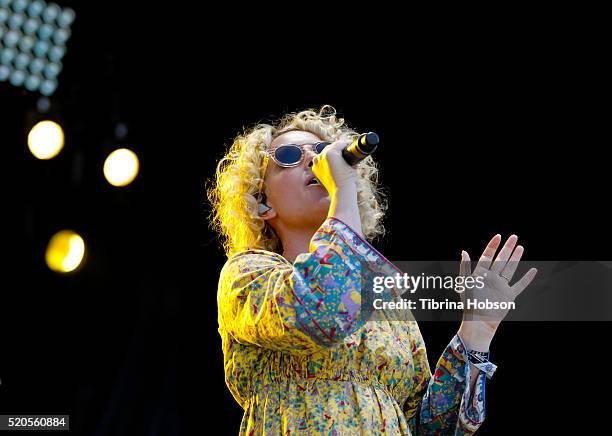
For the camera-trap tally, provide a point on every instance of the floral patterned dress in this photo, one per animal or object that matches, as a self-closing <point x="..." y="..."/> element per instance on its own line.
<point x="299" y="358"/>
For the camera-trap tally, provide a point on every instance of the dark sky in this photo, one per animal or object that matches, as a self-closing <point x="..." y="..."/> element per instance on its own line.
<point x="477" y="137"/>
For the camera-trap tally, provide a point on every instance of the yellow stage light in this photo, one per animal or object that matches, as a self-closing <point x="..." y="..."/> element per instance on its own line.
<point x="121" y="167"/>
<point x="46" y="139"/>
<point x="65" y="251"/>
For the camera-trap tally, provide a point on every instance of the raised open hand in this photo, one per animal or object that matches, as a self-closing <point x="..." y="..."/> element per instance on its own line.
<point x="496" y="276"/>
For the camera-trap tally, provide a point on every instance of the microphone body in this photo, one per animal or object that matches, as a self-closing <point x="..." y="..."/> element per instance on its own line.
<point x="363" y="146"/>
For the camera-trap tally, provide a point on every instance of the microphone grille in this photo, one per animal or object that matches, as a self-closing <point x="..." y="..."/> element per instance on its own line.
<point x="368" y="142"/>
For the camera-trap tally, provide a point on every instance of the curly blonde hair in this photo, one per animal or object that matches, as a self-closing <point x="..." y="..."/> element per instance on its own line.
<point x="233" y="194"/>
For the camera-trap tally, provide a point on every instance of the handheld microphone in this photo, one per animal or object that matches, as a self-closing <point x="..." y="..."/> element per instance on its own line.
<point x="363" y="146"/>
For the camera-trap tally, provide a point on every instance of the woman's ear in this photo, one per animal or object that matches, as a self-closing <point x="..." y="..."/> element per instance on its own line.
<point x="265" y="211"/>
<point x="263" y="208"/>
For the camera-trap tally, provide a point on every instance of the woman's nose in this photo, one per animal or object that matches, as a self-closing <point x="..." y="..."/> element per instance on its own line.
<point x="309" y="156"/>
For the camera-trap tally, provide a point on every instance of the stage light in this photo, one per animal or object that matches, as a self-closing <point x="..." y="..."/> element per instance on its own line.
<point x="33" y="34"/>
<point x="36" y="66"/>
<point x="46" y="139"/>
<point x="17" y="78"/>
<point x="26" y="43"/>
<point x="18" y="5"/>
<point x="43" y="104"/>
<point x="35" y="8"/>
<point x="11" y="38"/>
<point x="121" y="131"/>
<point x="32" y="82"/>
<point x="65" y="251"/>
<point x="121" y="167"/>
<point x="21" y="61"/>
<point x="30" y="26"/>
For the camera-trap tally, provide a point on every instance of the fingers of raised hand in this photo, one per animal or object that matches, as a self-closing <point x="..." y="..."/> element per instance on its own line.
<point x="504" y="255"/>
<point x="465" y="267"/>
<point x="487" y="256"/>
<point x="512" y="264"/>
<point x="524" y="281"/>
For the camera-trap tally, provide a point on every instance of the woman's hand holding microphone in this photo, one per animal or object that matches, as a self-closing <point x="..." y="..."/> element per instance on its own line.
<point x="340" y="180"/>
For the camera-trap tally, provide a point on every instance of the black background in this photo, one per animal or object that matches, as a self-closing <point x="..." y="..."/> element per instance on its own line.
<point x="483" y="131"/>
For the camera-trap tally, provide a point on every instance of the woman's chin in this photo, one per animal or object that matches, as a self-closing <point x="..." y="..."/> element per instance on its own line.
<point x="318" y="202"/>
<point x="325" y="201"/>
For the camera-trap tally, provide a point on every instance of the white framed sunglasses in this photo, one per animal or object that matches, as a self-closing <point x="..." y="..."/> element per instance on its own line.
<point x="291" y="155"/>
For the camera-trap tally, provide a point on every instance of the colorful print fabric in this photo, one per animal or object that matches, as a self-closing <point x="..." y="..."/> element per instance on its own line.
<point x="299" y="358"/>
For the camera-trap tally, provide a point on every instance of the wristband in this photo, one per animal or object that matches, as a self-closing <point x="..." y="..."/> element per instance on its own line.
<point x="480" y="359"/>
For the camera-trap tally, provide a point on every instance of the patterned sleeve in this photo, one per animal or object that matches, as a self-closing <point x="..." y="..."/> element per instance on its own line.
<point x="315" y="302"/>
<point x="443" y="403"/>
